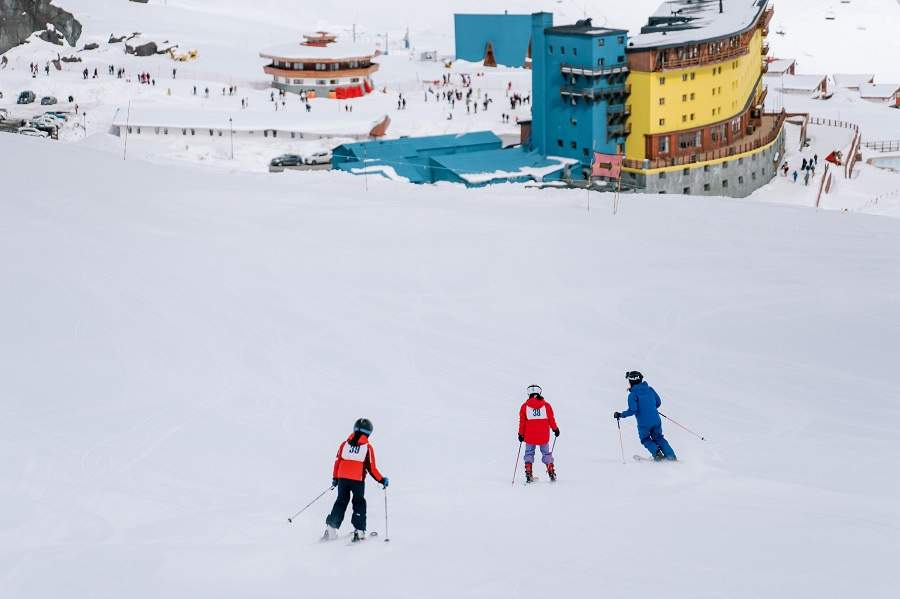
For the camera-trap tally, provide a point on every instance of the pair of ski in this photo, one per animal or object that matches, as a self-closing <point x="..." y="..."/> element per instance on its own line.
<point x="351" y="539"/>
<point x="640" y="458"/>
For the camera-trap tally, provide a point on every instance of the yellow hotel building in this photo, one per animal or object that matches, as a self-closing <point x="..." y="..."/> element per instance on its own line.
<point x="696" y="123"/>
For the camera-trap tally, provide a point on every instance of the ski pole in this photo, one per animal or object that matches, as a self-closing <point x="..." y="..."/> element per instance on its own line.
<point x="291" y="519"/>
<point x="387" y="536"/>
<point x="621" y="446"/>
<point x="701" y="437"/>
<point x="518" y="453"/>
<point x="552" y="447"/>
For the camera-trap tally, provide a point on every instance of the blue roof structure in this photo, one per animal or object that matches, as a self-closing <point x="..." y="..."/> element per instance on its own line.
<point x="473" y="159"/>
<point x="493" y="39"/>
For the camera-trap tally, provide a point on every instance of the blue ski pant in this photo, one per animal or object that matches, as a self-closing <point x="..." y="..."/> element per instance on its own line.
<point x="546" y="454"/>
<point x="345" y="488"/>
<point x="652" y="438"/>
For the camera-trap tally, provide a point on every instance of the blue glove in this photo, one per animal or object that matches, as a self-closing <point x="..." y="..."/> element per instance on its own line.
<point x="385" y="482"/>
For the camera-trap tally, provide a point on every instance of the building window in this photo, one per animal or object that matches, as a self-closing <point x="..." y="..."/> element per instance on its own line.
<point x="663" y="144"/>
<point x="692" y="94"/>
<point x="686" y="172"/>
<point x="601" y="62"/>
<point x="129" y="129"/>
<point x="662" y="122"/>
<point x="320" y="66"/>
<point x="684" y="76"/>
<point x="725" y="164"/>
<point x="740" y="180"/>
<point x="684" y="97"/>
<point x="686" y="191"/>
<point x="210" y="132"/>
<point x="693" y="76"/>
<point x="334" y="82"/>
<point x="298" y="81"/>
<point x="706" y="187"/>
<point x="354" y="80"/>
<point x="574" y="121"/>
<point x="684" y="118"/>
<point x="753" y="175"/>
<point x="621" y="39"/>
<point x="562" y="49"/>
<point x="601" y="42"/>
<point x="662" y="80"/>
<point x="724" y="183"/>
<point x="585" y="151"/>
<point x="184" y="131"/>
<point x="662" y="101"/>
<point x="692" y="116"/>
<point x="550" y="49"/>
<point x="574" y="51"/>
<point x="574" y="145"/>
<point x="320" y="82"/>
<point x="662" y="175"/>
<point x="559" y="142"/>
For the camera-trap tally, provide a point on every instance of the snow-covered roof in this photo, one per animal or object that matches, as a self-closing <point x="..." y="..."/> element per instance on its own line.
<point x="880" y="90"/>
<point x="853" y="79"/>
<point x="781" y="65"/>
<point x="337" y="51"/>
<point x="678" y="22"/>
<point x="343" y="124"/>
<point x="802" y="82"/>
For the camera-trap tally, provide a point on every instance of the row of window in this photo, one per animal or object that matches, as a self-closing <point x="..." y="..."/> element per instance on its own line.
<point x="694" y="139"/>
<point x="288" y="80"/>
<point x="693" y="75"/>
<point x="620" y="40"/>
<point x="320" y="66"/>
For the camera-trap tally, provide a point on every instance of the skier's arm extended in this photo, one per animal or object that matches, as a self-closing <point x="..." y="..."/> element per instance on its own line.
<point x="632" y="406"/>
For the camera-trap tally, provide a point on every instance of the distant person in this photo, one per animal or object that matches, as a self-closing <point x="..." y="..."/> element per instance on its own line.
<point x="355" y="458"/>
<point x="643" y="404"/>
<point x="806" y="178"/>
<point x="536" y="420"/>
<point x="795" y="176"/>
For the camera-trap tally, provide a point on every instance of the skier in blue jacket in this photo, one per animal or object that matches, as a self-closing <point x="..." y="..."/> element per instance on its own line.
<point x="643" y="402"/>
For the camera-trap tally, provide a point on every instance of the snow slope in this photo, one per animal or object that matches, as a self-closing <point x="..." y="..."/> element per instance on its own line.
<point x="182" y="351"/>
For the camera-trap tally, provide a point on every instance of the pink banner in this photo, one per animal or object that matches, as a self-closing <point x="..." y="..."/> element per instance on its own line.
<point x="607" y="165"/>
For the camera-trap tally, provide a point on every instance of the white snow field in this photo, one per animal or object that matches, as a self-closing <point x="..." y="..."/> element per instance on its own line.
<point x="182" y="350"/>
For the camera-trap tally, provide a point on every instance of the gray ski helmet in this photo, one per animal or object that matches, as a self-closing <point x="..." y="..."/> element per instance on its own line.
<point x="535" y="391"/>
<point x="634" y="377"/>
<point x="364" y="426"/>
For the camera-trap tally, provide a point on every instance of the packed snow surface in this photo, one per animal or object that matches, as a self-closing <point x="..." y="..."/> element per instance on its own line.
<point x="183" y="350"/>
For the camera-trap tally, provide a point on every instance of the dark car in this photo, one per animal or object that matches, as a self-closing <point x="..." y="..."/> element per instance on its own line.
<point x="48" y="100"/>
<point x="26" y="97"/>
<point x="286" y="160"/>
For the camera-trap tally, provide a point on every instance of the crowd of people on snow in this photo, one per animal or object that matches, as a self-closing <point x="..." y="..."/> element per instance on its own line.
<point x="356" y="456"/>
<point x="807" y="167"/>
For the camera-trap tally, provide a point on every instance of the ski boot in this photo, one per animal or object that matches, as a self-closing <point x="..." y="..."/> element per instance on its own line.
<point x="659" y="456"/>
<point x="551" y="472"/>
<point x="359" y="535"/>
<point x="331" y="533"/>
<point x="529" y="477"/>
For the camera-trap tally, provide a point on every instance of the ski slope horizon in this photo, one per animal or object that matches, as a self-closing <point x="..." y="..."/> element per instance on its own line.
<point x="183" y="351"/>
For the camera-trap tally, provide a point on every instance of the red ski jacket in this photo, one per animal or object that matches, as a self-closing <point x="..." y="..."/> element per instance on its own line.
<point x="536" y="420"/>
<point x="353" y="461"/>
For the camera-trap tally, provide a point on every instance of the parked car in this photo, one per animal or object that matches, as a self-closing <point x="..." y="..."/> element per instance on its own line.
<point x="287" y="160"/>
<point x="48" y="100"/>
<point x="58" y="114"/>
<point x="26" y="97"/>
<point x="4" y="115"/>
<point x="32" y="132"/>
<point x="318" y="158"/>
<point x="60" y="120"/>
<point x="45" y="124"/>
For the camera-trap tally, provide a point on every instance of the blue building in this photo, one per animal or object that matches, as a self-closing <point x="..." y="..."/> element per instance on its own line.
<point x="578" y="90"/>
<point x="494" y="39"/>
<point x="473" y="159"/>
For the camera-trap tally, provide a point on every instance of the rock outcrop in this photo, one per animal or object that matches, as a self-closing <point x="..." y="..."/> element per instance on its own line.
<point x="20" y="18"/>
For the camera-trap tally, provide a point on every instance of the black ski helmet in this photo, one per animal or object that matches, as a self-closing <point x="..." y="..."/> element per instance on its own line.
<point x="634" y="377"/>
<point x="364" y="426"/>
<point x="535" y="391"/>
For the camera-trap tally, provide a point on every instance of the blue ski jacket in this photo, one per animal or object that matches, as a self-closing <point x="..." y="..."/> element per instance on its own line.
<point x="642" y="404"/>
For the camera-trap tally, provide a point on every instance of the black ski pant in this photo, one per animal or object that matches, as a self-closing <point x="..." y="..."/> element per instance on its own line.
<point x="345" y="487"/>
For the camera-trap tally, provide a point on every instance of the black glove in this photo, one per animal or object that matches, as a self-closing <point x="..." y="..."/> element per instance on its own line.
<point x="333" y="483"/>
<point x="556" y="432"/>
<point x="521" y="438"/>
<point x="617" y="415"/>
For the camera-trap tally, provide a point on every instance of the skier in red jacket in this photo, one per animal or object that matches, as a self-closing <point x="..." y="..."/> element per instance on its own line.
<point x="536" y="420"/>
<point x="355" y="458"/>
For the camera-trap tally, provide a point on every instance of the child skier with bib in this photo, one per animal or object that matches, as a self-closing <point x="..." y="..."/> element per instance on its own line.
<point x="536" y="420"/>
<point x="355" y="458"/>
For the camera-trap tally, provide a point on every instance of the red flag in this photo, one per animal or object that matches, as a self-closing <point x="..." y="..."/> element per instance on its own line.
<point x="607" y="165"/>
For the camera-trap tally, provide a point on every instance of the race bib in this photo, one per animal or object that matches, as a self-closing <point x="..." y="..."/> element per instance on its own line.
<point x="536" y="413"/>
<point x="355" y="453"/>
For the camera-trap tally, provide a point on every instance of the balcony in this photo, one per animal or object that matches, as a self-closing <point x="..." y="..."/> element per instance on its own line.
<point x="765" y="66"/>
<point x="702" y="59"/>
<point x="600" y="71"/>
<point x="596" y="93"/>
<point x="619" y="130"/>
<point x="769" y="128"/>
<point x="618" y="110"/>
<point x="765" y="49"/>
<point x="766" y="20"/>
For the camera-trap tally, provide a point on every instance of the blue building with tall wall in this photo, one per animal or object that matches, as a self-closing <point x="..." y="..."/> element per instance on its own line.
<point x="493" y="39"/>
<point x="579" y="94"/>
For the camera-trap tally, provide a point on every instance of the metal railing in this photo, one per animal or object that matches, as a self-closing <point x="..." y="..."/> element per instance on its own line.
<point x="704" y="59"/>
<point x="891" y="145"/>
<point x="599" y="71"/>
<point x="596" y="92"/>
